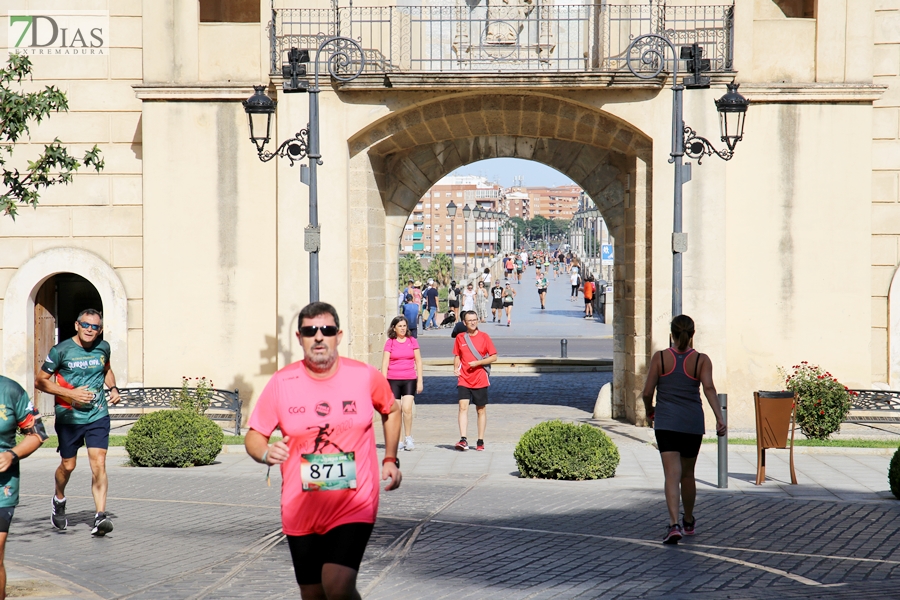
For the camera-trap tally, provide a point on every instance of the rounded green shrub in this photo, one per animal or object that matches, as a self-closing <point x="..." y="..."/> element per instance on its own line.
<point x="894" y="474"/>
<point x="557" y="450"/>
<point x="174" y="438"/>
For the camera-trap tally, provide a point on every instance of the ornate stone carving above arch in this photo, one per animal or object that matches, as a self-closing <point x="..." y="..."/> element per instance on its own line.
<point x="18" y="309"/>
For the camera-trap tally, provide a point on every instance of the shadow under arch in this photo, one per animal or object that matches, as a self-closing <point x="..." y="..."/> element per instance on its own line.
<point x="18" y="309"/>
<point x="396" y="159"/>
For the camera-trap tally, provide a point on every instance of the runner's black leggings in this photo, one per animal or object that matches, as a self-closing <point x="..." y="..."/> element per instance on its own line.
<point x="575" y="291"/>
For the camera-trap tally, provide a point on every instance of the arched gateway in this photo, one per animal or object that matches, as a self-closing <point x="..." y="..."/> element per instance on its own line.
<point x="396" y="159"/>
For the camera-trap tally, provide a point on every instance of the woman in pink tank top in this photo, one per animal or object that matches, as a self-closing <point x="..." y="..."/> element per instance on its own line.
<point x="401" y="364"/>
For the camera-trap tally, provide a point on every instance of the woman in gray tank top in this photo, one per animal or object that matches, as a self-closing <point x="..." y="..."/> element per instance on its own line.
<point x="675" y="375"/>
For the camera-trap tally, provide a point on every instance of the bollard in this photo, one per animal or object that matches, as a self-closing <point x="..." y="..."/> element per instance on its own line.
<point x="564" y="348"/>
<point x="723" y="445"/>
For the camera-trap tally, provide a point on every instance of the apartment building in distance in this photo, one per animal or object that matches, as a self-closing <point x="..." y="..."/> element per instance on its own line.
<point x="428" y="229"/>
<point x="560" y="202"/>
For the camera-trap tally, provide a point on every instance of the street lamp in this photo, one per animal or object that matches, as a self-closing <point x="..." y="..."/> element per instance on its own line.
<point x="451" y="212"/>
<point x="467" y="212"/>
<point x="649" y="51"/>
<point x="479" y="216"/>
<point x="340" y="55"/>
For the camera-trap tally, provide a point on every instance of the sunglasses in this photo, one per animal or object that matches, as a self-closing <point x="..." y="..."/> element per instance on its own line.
<point x="327" y="330"/>
<point x="86" y="325"/>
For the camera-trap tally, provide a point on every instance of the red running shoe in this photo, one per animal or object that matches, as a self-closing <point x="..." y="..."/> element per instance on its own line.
<point x="479" y="446"/>
<point x="688" y="528"/>
<point x="462" y="445"/>
<point x="673" y="534"/>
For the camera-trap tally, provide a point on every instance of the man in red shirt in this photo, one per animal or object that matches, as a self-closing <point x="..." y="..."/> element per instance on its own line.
<point x="473" y="352"/>
<point x="324" y="406"/>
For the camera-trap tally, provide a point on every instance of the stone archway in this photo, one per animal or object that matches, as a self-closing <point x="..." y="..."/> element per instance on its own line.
<point x="397" y="159"/>
<point x="18" y="309"/>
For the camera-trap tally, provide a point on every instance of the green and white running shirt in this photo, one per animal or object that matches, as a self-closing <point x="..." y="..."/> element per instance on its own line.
<point x="16" y="412"/>
<point x="75" y="367"/>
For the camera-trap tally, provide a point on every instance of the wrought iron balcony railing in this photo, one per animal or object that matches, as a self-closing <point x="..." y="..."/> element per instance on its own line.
<point x="506" y="35"/>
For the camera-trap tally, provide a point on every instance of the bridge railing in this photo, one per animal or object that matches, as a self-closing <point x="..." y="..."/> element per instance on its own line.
<point x="521" y="35"/>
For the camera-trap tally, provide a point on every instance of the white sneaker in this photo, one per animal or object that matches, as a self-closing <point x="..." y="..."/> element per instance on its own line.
<point x="409" y="444"/>
<point x="400" y="446"/>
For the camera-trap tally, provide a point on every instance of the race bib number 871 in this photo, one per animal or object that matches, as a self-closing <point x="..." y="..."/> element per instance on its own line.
<point x="327" y="472"/>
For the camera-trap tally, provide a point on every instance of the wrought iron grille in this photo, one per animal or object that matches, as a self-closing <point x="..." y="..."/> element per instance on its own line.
<point x="224" y="405"/>
<point x="504" y="35"/>
<point x="876" y="400"/>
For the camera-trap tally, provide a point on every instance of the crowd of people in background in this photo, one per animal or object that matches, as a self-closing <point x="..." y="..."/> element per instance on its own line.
<point x="485" y="296"/>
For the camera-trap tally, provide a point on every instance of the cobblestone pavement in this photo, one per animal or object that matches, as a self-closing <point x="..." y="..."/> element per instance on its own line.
<point x="463" y="525"/>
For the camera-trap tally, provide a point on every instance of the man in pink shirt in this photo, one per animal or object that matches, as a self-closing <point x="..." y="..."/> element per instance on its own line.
<point x="324" y="406"/>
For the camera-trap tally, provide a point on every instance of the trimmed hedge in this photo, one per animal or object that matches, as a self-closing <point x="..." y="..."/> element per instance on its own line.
<point x="174" y="438"/>
<point x="894" y="474"/>
<point x="557" y="450"/>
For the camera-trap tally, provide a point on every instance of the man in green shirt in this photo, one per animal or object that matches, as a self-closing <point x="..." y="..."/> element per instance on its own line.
<point x="16" y="412"/>
<point x="75" y="371"/>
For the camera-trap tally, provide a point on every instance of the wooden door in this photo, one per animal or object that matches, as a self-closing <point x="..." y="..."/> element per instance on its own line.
<point x="44" y="336"/>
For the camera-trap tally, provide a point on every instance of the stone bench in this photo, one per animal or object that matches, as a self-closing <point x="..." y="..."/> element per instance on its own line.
<point x="223" y="405"/>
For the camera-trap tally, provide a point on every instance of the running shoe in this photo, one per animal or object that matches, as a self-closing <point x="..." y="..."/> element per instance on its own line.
<point x="400" y="446"/>
<point x="409" y="444"/>
<point x="688" y="528"/>
<point x="673" y="534"/>
<point x="58" y="514"/>
<point x="479" y="446"/>
<point x="462" y="445"/>
<point x="102" y="525"/>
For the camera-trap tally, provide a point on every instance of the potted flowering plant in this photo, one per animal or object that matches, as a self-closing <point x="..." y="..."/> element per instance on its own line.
<point x="822" y="401"/>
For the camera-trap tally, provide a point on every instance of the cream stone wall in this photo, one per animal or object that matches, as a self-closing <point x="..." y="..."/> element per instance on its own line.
<point x="210" y="279"/>
<point x="98" y="213"/>
<point x="885" y="209"/>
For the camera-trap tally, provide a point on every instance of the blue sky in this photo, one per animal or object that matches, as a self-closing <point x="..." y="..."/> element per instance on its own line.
<point x="504" y="170"/>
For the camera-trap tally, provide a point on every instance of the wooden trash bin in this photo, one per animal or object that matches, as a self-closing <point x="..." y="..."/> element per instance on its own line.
<point x="775" y="415"/>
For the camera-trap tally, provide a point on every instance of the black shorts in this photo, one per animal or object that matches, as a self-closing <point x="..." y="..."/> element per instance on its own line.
<point x="454" y="303"/>
<point x="403" y="387"/>
<point x="686" y="444"/>
<point x="509" y="271"/>
<point x="6" y="516"/>
<point x="542" y="290"/>
<point x="344" y="545"/>
<point x="478" y="396"/>
<point x="73" y="437"/>
<point x="497" y="303"/>
<point x="588" y="300"/>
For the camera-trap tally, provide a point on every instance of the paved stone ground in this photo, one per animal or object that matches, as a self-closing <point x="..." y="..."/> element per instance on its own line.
<point x="463" y="525"/>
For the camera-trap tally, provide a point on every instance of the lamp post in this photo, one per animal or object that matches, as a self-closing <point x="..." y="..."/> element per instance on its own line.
<point x="451" y="212"/>
<point x="649" y="51"/>
<point x="343" y="65"/>
<point x="467" y="212"/>
<point x="480" y="216"/>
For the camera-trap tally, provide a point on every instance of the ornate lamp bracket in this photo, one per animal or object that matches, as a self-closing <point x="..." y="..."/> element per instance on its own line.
<point x="294" y="149"/>
<point x="697" y="147"/>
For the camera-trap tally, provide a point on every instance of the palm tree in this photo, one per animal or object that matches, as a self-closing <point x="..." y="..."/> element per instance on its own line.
<point x="441" y="269"/>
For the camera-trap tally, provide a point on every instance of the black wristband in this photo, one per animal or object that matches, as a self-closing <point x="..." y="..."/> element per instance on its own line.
<point x="114" y="388"/>
<point x="15" y="456"/>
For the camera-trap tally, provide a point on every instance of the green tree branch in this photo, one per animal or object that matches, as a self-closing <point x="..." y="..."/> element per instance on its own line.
<point x="17" y="112"/>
